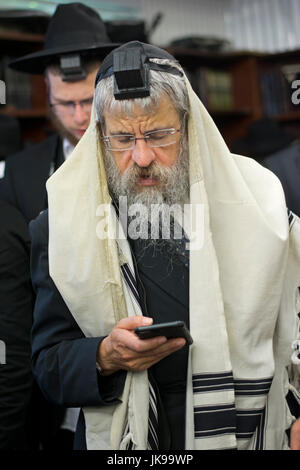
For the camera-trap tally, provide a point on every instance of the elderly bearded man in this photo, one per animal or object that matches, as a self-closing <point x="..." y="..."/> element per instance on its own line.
<point x="151" y="140"/>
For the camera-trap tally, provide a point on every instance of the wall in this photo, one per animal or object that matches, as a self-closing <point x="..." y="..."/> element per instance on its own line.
<point x="183" y="17"/>
<point x="262" y="25"/>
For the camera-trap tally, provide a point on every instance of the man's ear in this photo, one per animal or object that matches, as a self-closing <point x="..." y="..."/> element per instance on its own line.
<point x="47" y="83"/>
<point x="101" y="128"/>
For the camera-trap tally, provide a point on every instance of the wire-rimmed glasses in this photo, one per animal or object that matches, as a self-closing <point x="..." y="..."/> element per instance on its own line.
<point x="157" y="138"/>
<point x="68" y="107"/>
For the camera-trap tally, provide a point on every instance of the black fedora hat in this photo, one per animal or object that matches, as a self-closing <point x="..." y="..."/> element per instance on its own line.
<point x="264" y="137"/>
<point x="73" y="28"/>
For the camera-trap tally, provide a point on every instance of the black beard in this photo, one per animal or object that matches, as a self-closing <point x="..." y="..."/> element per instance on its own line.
<point x="172" y="250"/>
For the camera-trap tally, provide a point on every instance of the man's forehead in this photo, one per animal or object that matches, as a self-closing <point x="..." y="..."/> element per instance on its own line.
<point x="163" y="112"/>
<point x="77" y="90"/>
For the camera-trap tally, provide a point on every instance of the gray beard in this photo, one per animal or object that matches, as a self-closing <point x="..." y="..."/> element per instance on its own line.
<point x="172" y="187"/>
<point x="153" y="224"/>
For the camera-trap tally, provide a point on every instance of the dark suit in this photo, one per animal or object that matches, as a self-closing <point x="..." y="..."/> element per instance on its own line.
<point x="24" y="187"/>
<point x="16" y="306"/>
<point x="286" y="166"/>
<point x="64" y="360"/>
<point x="26" y="173"/>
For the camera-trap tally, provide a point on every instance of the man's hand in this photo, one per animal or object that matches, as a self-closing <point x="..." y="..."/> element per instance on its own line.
<point x="122" y="349"/>
<point x="295" y="435"/>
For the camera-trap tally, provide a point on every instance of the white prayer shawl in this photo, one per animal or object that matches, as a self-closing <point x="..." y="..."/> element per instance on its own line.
<point x="243" y="292"/>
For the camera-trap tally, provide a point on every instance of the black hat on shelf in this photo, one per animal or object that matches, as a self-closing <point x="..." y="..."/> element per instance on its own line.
<point x="10" y="136"/>
<point x="264" y="137"/>
<point x="73" y="28"/>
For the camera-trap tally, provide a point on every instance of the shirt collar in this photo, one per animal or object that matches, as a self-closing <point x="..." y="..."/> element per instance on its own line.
<point x="67" y="148"/>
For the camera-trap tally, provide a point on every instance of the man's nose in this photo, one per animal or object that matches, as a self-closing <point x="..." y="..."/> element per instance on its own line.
<point x="80" y="115"/>
<point x="142" y="153"/>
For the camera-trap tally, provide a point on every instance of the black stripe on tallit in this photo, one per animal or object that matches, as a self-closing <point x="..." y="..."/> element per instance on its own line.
<point x="214" y="382"/>
<point x="214" y="420"/>
<point x="130" y="281"/>
<point x="251" y="387"/>
<point x="250" y="421"/>
<point x="153" y="420"/>
<point x="153" y="441"/>
<point x="260" y="437"/>
<point x="247" y="422"/>
<point x="291" y="217"/>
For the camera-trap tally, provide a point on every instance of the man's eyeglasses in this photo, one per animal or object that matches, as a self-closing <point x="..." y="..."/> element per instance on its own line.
<point x="123" y="142"/>
<point x="68" y="107"/>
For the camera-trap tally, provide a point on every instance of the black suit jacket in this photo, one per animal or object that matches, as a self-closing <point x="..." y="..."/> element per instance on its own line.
<point x="286" y="166"/>
<point x="64" y="360"/>
<point x="26" y="173"/>
<point x="16" y="306"/>
<point x="24" y="187"/>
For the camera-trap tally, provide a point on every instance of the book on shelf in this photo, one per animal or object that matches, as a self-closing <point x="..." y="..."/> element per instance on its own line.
<point x="215" y="89"/>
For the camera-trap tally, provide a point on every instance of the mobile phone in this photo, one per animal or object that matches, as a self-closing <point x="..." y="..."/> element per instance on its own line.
<point x="174" y="329"/>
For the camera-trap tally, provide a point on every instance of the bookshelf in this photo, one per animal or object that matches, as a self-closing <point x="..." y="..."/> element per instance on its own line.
<point x="244" y="86"/>
<point x="20" y="36"/>
<point x="288" y="117"/>
<point x="259" y="87"/>
<point x="25" y="94"/>
<point x="23" y="113"/>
